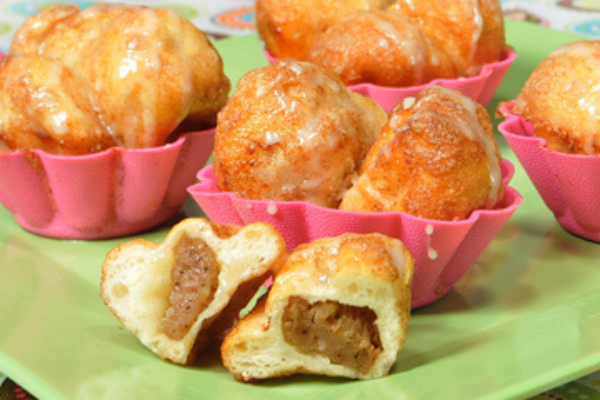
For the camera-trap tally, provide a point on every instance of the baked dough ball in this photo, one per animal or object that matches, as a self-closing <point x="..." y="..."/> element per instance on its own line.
<point x="436" y="158"/>
<point x="147" y="70"/>
<point x="561" y="100"/>
<point x="470" y="31"/>
<point x="44" y="105"/>
<point x="289" y="28"/>
<point x="339" y="307"/>
<point x="381" y="48"/>
<point x="293" y="131"/>
<point x="178" y="296"/>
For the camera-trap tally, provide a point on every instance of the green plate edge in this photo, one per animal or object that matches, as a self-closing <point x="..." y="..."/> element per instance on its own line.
<point x="524" y="319"/>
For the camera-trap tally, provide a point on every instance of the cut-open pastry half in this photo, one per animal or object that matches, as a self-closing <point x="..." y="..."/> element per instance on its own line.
<point x="339" y="307"/>
<point x="179" y="296"/>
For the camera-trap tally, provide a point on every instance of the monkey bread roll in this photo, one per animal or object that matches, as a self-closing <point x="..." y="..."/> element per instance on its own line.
<point x="381" y="48"/>
<point x="339" y="306"/>
<point x="392" y="51"/>
<point x="436" y="158"/>
<point x="290" y="28"/>
<point x="45" y="105"/>
<point x="471" y="32"/>
<point x="293" y="131"/>
<point x="182" y="294"/>
<point x="554" y="130"/>
<point x="106" y="116"/>
<point x="560" y="99"/>
<point x="145" y="72"/>
<point x="434" y="179"/>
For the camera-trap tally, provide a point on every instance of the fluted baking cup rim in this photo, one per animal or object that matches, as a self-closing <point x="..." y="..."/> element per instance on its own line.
<point x="508" y="170"/>
<point x="506" y="110"/>
<point x="567" y="183"/>
<point x="134" y="189"/>
<point x="466" y="238"/>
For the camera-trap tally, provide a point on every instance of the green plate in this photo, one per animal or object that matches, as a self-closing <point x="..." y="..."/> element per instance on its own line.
<point x="524" y="319"/>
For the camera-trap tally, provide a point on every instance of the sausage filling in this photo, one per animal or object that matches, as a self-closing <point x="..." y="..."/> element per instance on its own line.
<point x="345" y="334"/>
<point x="194" y="281"/>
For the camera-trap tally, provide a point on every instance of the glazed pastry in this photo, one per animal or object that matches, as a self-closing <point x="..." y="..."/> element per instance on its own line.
<point x="44" y="105"/>
<point x="289" y="28"/>
<point x="339" y="307"/>
<point x="146" y="71"/>
<point x="402" y="44"/>
<point x="293" y="131"/>
<point x="179" y="296"/>
<point x="561" y="100"/>
<point x="471" y="32"/>
<point x="436" y="158"/>
<point x="381" y="48"/>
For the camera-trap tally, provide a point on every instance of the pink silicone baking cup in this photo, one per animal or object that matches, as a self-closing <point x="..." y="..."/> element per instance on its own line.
<point x="112" y="193"/>
<point x="569" y="184"/>
<point x="443" y="250"/>
<point x="480" y="87"/>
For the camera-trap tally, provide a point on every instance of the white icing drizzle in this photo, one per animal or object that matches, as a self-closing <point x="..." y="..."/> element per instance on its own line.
<point x="473" y="130"/>
<point x="477" y="31"/>
<point x="383" y="43"/>
<point x="272" y="208"/>
<point x="59" y="123"/>
<point x="311" y="106"/>
<point x="272" y="138"/>
<point x="150" y="58"/>
<point x="310" y="131"/>
<point x="431" y="252"/>
<point x="45" y="99"/>
<point x="262" y="90"/>
<point x="397" y="257"/>
<point x="388" y="29"/>
<point x="410" y="4"/>
<point x="296" y="67"/>
<point x="53" y="75"/>
<point x="127" y="66"/>
<point x="408" y="102"/>
<point x="395" y="119"/>
<point x="429" y="229"/>
<point x="407" y="39"/>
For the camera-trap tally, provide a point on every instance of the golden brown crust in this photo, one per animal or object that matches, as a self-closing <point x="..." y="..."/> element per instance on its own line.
<point x="474" y="37"/>
<point x="293" y="131"/>
<point x="224" y="231"/>
<point x="372" y="273"/>
<point x="31" y="35"/>
<point x="42" y="103"/>
<point x="255" y="320"/>
<point x="435" y="159"/>
<point x="147" y="71"/>
<point x="381" y="48"/>
<point x="313" y="261"/>
<point x="289" y="28"/>
<point x="371" y="41"/>
<point x="561" y="100"/>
